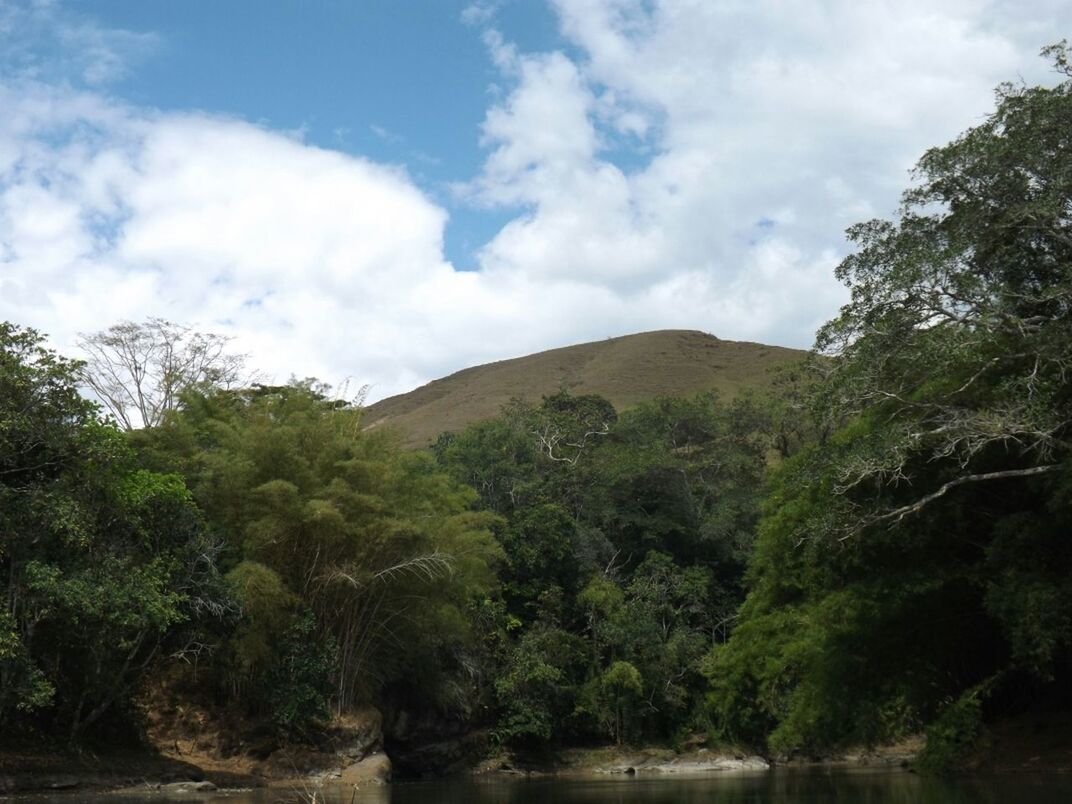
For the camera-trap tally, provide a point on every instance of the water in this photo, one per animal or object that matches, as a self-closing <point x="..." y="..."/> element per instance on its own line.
<point x="781" y="786"/>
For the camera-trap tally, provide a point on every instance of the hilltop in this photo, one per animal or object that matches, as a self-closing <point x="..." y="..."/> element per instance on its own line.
<point x="626" y="370"/>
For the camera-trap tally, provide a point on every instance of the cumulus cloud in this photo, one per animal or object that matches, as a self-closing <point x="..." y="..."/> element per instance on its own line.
<point x="768" y="129"/>
<point x="681" y="164"/>
<point x="318" y="263"/>
<point x="312" y="259"/>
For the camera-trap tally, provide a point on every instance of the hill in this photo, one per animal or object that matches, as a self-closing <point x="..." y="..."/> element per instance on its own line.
<point x="626" y="370"/>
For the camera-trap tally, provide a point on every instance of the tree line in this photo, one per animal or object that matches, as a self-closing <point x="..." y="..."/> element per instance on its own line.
<point x="876" y="548"/>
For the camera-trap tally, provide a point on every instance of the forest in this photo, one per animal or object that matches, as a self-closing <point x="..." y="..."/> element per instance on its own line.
<point x="879" y="547"/>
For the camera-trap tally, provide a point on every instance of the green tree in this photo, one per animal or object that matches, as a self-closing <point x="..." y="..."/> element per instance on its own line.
<point x="317" y="515"/>
<point x="538" y="686"/>
<point x="628" y="534"/>
<point x="914" y="565"/>
<point x="958" y="334"/>
<point x="100" y="561"/>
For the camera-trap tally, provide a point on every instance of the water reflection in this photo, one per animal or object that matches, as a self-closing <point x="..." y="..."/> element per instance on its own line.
<point x="778" y="787"/>
<point x="794" y="786"/>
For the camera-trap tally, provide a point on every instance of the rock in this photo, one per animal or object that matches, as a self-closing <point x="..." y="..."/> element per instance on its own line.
<point x="373" y="769"/>
<point x="425" y="744"/>
<point x="188" y="787"/>
<point x="742" y="763"/>
<point x="358" y="734"/>
<point x="443" y="757"/>
<point x="688" y="765"/>
<point x="62" y="783"/>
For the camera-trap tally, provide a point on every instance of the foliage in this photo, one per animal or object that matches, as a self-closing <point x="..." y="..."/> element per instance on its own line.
<point x="919" y="551"/>
<point x="959" y="335"/>
<point x="613" y="696"/>
<point x="317" y="515"/>
<point x="300" y="682"/>
<point x="101" y="562"/>
<point x="538" y="685"/>
<point x="625" y="538"/>
<point x="953" y="733"/>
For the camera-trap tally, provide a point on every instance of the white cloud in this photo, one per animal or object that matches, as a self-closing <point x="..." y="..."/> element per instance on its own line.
<point x="772" y="127"/>
<point x="316" y="262"/>
<point x="685" y="164"/>
<point x="306" y="255"/>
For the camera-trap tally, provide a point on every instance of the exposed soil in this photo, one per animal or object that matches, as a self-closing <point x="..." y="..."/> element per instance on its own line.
<point x="190" y="746"/>
<point x="38" y="769"/>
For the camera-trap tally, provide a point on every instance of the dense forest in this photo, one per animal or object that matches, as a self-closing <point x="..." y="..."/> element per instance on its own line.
<point x="879" y="547"/>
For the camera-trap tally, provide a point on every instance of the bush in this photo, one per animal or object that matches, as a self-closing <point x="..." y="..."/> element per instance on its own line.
<point x="953" y="733"/>
<point x="299" y="683"/>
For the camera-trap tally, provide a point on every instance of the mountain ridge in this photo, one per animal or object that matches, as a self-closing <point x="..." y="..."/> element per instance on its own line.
<point x="627" y="370"/>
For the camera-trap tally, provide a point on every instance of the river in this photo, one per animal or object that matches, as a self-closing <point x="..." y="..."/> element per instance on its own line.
<point x="780" y="786"/>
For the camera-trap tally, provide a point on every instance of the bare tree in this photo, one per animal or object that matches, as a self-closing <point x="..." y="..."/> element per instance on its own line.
<point x="139" y="370"/>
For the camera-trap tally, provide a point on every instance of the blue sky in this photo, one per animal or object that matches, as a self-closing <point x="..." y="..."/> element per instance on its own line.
<point x="399" y="81"/>
<point x="382" y="192"/>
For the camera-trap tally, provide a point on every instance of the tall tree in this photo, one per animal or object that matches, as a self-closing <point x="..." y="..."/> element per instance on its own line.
<point x="319" y="516"/>
<point x="100" y="561"/>
<point x="139" y="371"/>
<point x="914" y="566"/>
<point x="959" y="332"/>
<point x="625" y="543"/>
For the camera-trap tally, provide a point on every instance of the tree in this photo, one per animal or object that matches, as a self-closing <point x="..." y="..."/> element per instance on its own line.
<point x="537" y="686"/>
<point x="628" y="535"/>
<point x="912" y="568"/>
<point x="139" y="371"/>
<point x="100" y="563"/>
<point x="319" y="516"/>
<point x="959" y="333"/>
<point x="565" y="426"/>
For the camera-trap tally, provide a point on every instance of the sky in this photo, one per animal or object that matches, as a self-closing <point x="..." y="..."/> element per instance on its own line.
<point x="381" y="192"/>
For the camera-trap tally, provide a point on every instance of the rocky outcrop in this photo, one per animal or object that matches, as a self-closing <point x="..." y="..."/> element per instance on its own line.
<point x="344" y="745"/>
<point x="186" y="787"/>
<point x="358" y="734"/>
<point x="42" y="771"/>
<point x="374" y="769"/>
<point x="650" y="760"/>
<point x="426" y="744"/>
<point x="446" y="757"/>
<point x="685" y="765"/>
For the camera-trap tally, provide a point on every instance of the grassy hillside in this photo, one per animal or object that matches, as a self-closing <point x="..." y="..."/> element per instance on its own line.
<point x="625" y="370"/>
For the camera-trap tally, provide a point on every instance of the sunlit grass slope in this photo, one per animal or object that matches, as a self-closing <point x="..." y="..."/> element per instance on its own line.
<point x="626" y="370"/>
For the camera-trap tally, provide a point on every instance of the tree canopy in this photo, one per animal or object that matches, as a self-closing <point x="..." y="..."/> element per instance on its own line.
<point x="140" y="370"/>
<point x="101" y="562"/>
<point x="321" y="519"/>
<point x="625" y="539"/>
<point x="915" y="565"/>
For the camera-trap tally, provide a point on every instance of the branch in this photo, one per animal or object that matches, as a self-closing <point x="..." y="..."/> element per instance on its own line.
<point x="900" y="513"/>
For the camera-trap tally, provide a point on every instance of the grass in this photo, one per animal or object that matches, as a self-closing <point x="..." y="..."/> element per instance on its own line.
<point x="626" y="370"/>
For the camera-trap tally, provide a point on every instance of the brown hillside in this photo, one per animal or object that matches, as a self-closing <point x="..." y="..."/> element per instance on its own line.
<point x="625" y="370"/>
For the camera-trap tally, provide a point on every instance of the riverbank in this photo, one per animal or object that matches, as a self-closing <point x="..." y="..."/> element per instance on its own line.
<point x="1029" y="743"/>
<point x="297" y="767"/>
<point x="197" y="752"/>
<point x="350" y="753"/>
<point x="657" y="760"/>
<point x="58" y="771"/>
